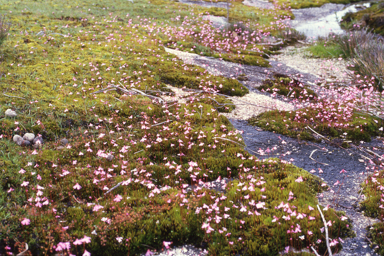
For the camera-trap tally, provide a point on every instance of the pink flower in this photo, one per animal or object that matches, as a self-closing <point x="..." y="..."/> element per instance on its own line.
<point x="97" y="207"/>
<point x="118" y="198"/>
<point x="63" y="246"/>
<point x="86" y="253"/>
<point x="78" y="242"/>
<point x="167" y="244"/>
<point x="300" y="179"/>
<point x="25" y="221"/>
<point x="77" y="186"/>
<point x="24" y="184"/>
<point x="148" y="253"/>
<point x="86" y="240"/>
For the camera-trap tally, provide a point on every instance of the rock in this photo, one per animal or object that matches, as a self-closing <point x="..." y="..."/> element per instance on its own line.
<point x="17" y="139"/>
<point x="110" y="157"/>
<point x="60" y="147"/>
<point x="10" y="113"/>
<point x="38" y="142"/>
<point x="64" y="141"/>
<point x="25" y="143"/>
<point x="29" y="137"/>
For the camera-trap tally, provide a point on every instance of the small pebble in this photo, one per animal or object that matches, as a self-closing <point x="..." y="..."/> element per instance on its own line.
<point x="110" y="157"/>
<point x="10" y="113"/>
<point x="17" y="139"/>
<point x="38" y="142"/>
<point x="64" y="141"/>
<point x="29" y="137"/>
<point x="25" y="143"/>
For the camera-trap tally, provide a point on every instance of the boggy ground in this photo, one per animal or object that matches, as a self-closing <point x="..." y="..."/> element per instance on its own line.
<point x="344" y="169"/>
<point x="93" y="74"/>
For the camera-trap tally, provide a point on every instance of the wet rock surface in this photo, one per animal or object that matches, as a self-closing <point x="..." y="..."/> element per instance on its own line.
<point x="259" y="4"/>
<point x="320" y="21"/>
<point x="328" y="161"/>
<point x="205" y="4"/>
<point x="255" y="74"/>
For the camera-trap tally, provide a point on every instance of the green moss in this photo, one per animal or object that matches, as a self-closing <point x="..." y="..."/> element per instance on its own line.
<point x="286" y="86"/>
<point x="298" y="4"/>
<point x="359" y="127"/>
<point x="123" y="145"/>
<point x="373" y="207"/>
<point x="221" y="103"/>
<point x="372" y="18"/>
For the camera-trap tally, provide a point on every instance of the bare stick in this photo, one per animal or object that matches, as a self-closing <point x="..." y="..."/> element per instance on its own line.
<point x="237" y="144"/>
<point x="161" y="123"/>
<point x="326" y="231"/>
<point x="118" y="185"/>
<point x="77" y="200"/>
<point x="13" y="96"/>
<point x="317" y="133"/>
<point x="370" y="151"/>
<point x="310" y="157"/>
<point x="313" y="249"/>
<point x="23" y="252"/>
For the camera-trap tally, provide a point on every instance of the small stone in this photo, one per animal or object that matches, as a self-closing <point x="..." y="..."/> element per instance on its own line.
<point x="60" y="147"/>
<point x="38" y="142"/>
<point x="29" y="137"/>
<point x="25" y="143"/>
<point x="17" y="139"/>
<point x="10" y="113"/>
<point x="64" y="141"/>
<point x="110" y="157"/>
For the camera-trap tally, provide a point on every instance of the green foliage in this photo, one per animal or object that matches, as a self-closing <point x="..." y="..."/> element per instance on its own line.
<point x="60" y="71"/>
<point x="372" y="18"/>
<point x="4" y="29"/>
<point x="324" y="49"/>
<point x="298" y="4"/>
<point x="359" y="127"/>
<point x="286" y="86"/>
<point x="373" y="207"/>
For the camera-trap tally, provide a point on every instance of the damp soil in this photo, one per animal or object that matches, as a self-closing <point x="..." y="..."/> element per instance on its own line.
<point x="324" y="160"/>
<point x="327" y="161"/>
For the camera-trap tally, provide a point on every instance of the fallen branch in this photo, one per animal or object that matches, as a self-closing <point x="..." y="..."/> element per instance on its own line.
<point x="310" y="157"/>
<point x="326" y="231"/>
<point x="373" y="153"/>
<point x="13" y="96"/>
<point x="245" y="146"/>
<point x="118" y="185"/>
<point x="161" y="123"/>
<point x="132" y="91"/>
<point x="77" y="200"/>
<point x="314" y="251"/>
<point x="23" y="252"/>
<point x="276" y="43"/>
<point x="321" y="136"/>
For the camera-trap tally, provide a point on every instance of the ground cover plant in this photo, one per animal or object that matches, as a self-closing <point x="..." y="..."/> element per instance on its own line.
<point x="286" y="86"/>
<point x="363" y="50"/>
<point x="373" y="206"/>
<point x="296" y="4"/>
<point x="121" y="171"/>
<point x="339" y="112"/>
<point x="371" y="17"/>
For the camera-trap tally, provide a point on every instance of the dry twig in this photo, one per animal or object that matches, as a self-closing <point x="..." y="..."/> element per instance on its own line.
<point x="326" y="231"/>
<point x="23" y="252"/>
<point x="310" y="157"/>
